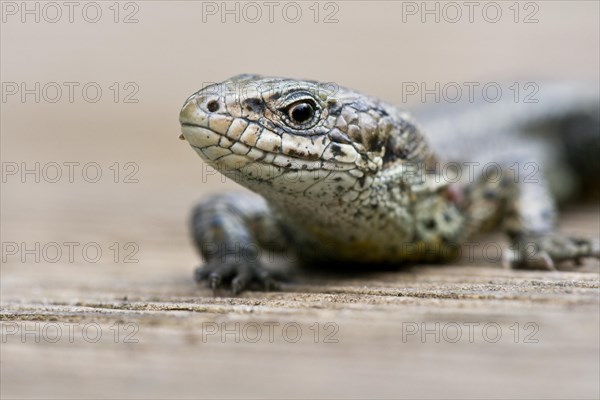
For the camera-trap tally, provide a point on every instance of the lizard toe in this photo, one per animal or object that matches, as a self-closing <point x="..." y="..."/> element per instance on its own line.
<point x="238" y="274"/>
<point x="549" y="250"/>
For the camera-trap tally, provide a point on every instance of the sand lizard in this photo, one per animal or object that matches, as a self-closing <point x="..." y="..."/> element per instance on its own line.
<point x="342" y="177"/>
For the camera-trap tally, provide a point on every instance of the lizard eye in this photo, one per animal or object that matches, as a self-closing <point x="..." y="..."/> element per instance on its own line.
<point x="301" y="112"/>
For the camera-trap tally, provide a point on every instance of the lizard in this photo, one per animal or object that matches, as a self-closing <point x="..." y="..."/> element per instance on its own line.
<point x="340" y="177"/>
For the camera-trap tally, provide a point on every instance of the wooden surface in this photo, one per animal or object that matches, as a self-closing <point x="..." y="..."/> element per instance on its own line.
<point x="367" y="350"/>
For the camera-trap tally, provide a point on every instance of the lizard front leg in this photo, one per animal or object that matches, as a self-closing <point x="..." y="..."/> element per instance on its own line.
<point x="525" y="210"/>
<point x="229" y="231"/>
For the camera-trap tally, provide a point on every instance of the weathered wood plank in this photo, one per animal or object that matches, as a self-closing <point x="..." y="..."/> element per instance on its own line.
<point x="548" y="326"/>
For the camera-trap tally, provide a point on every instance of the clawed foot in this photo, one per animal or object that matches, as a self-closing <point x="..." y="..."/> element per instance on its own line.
<point x="546" y="251"/>
<point x="237" y="273"/>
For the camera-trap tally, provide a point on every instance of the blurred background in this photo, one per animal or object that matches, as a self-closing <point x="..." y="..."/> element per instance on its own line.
<point x="97" y="89"/>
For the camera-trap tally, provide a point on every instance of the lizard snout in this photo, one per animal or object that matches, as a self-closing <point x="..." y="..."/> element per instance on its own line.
<point x="203" y="118"/>
<point x="195" y="116"/>
<point x="198" y="108"/>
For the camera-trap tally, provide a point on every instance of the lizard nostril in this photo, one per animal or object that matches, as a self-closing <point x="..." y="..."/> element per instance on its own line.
<point x="212" y="105"/>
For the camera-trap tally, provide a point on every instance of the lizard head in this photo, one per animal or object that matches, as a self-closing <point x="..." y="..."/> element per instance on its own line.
<point x="286" y="137"/>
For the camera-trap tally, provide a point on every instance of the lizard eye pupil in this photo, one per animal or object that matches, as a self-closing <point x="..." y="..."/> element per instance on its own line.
<point x="301" y="112"/>
<point x="212" y="105"/>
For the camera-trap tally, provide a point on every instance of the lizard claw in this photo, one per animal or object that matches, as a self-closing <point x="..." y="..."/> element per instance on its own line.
<point x="215" y="281"/>
<point x="268" y="282"/>
<point x="239" y="283"/>
<point x="545" y="261"/>
<point x="238" y="274"/>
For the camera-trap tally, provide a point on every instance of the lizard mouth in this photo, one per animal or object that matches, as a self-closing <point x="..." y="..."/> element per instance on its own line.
<point x="225" y="150"/>
<point x="262" y="170"/>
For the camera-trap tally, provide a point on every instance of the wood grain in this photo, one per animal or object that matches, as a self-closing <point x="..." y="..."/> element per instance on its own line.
<point x="370" y="326"/>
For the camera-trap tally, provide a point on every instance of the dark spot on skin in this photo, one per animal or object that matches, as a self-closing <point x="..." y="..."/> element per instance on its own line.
<point x="394" y="150"/>
<point x="335" y="108"/>
<point x="299" y="154"/>
<point x="401" y="146"/>
<point x="402" y="154"/>
<point x="337" y="150"/>
<point x="338" y="178"/>
<point x="361" y="180"/>
<point x="430" y="224"/>
<point x="489" y="194"/>
<point x="276" y="149"/>
<point x="254" y="105"/>
<point x="212" y="105"/>
<point x="382" y="112"/>
<point x="339" y="189"/>
<point x="447" y="217"/>
<point x="295" y="153"/>
<point x="288" y="165"/>
<point x="374" y="142"/>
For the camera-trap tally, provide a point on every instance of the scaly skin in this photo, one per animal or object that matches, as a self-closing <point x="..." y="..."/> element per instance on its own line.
<point x="345" y="178"/>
